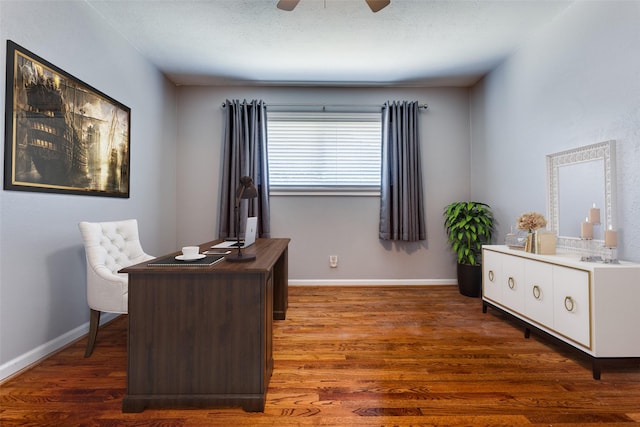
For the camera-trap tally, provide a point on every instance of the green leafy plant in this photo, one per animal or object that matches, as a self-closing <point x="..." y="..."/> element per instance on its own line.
<point x="469" y="225"/>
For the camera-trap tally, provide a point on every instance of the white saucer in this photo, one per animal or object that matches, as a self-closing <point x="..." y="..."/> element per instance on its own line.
<point x="190" y="258"/>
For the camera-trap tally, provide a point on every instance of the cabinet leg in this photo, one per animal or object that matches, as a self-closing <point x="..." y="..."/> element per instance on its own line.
<point x="597" y="368"/>
<point x="484" y="307"/>
<point x="527" y="332"/>
<point x="130" y="405"/>
<point x="255" y="405"/>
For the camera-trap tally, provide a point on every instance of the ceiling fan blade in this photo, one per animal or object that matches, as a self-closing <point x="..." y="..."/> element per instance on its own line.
<point x="287" y="5"/>
<point x="377" y="5"/>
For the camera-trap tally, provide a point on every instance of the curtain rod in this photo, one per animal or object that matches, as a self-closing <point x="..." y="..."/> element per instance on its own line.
<point x="323" y="106"/>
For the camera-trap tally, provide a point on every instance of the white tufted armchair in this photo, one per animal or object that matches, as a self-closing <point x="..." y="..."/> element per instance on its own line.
<point x="109" y="247"/>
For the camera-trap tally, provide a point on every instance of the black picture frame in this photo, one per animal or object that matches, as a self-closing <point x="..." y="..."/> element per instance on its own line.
<point x="62" y="135"/>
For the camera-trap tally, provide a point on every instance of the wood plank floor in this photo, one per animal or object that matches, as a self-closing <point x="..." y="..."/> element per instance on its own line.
<point x="358" y="356"/>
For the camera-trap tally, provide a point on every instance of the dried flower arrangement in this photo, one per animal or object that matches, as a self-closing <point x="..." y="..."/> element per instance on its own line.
<point x="531" y="221"/>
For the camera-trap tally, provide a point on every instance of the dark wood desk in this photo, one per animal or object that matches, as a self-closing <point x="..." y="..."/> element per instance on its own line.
<point x="201" y="336"/>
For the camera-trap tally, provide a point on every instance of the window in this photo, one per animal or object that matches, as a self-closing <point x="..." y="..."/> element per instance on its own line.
<point x="321" y="151"/>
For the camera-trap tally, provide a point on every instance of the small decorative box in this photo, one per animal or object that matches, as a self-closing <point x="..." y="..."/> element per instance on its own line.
<point x="546" y="244"/>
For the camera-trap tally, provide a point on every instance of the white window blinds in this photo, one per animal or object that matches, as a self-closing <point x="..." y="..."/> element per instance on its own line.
<point x="321" y="150"/>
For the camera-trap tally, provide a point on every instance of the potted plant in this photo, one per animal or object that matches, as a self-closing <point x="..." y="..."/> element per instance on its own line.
<point x="469" y="225"/>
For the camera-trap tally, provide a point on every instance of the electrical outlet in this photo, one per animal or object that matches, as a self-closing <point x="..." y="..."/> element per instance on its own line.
<point x="333" y="261"/>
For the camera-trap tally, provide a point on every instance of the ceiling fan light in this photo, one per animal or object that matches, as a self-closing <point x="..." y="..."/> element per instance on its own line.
<point x="377" y="5"/>
<point x="287" y="5"/>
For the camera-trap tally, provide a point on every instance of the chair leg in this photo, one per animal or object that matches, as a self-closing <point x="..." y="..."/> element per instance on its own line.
<point x="94" y="322"/>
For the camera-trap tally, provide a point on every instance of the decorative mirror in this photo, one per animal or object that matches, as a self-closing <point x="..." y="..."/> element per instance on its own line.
<point x="576" y="180"/>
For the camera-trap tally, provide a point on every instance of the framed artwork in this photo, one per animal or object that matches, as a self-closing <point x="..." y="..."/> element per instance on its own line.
<point x="62" y="135"/>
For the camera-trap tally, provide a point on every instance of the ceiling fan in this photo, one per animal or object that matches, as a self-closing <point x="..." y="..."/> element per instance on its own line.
<point x="375" y="5"/>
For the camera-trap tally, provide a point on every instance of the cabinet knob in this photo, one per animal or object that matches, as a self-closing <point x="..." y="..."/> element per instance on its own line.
<point x="491" y="276"/>
<point x="536" y="291"/>
<point x="569" y="305"/>
<point x="511" y="282"/>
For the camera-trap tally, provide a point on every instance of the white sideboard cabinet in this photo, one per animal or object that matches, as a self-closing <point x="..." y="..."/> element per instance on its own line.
<point x="594" y="307"/>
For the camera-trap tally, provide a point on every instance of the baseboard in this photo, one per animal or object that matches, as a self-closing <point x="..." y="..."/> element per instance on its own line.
<point x="369" y="282"/>
<point x="34" y="356"/>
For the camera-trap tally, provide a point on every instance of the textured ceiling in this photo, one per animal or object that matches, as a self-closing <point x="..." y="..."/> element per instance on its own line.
<point x="327" y="42"/>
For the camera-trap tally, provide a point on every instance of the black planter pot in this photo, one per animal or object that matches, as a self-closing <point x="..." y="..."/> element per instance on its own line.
<point x="470" y="280"/>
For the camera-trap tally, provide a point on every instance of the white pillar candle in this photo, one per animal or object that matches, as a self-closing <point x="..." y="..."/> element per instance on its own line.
<point x="594" y="215"/>
<point x="610" y="238"/>
<point x="586" y="229"/>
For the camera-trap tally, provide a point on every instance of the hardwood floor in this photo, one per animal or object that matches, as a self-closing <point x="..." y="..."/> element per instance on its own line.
<point x="358" y="356"/>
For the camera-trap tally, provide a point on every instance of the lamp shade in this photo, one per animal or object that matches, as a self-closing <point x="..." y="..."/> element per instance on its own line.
<point x="246" y="190"/>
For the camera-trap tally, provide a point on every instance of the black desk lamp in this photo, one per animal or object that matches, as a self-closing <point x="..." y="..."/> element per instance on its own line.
<point x="246" y="191"/>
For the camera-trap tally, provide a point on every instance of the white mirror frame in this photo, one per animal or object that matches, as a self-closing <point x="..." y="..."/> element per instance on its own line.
<point x="601" y="151"/>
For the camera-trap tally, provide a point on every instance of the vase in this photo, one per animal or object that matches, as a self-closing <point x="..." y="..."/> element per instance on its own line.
<point x="531" y="243"/>
<point x="470" y="280"/>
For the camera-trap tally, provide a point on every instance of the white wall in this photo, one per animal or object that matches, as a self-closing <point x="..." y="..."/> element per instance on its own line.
<point x="344" y="226"/>
<point x="42" y="268"/>
<point x="576" y="83"/>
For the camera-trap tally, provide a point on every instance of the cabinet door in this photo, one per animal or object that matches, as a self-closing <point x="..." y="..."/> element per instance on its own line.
<point x="571" y="305"/>
<point x="491" y="275"/>
<point x="538" y="295"/>
<point x="513" y="284"/>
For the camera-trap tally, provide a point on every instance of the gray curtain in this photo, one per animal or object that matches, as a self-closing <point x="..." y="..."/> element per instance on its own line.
<point x="245" y="153"/>
<point x="401" y="199"/>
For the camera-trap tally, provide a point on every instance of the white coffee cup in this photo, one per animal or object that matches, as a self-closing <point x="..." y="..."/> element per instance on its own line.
<point x="190" y="251"/>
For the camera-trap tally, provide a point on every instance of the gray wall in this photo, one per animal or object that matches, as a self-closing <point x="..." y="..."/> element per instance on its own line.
<point x="332" y="225"/>
<point x="576" y="83"/>
<point x="42" y="269"/>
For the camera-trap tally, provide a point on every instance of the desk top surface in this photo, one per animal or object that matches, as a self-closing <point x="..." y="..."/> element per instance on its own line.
<point x="267" y="253"/>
